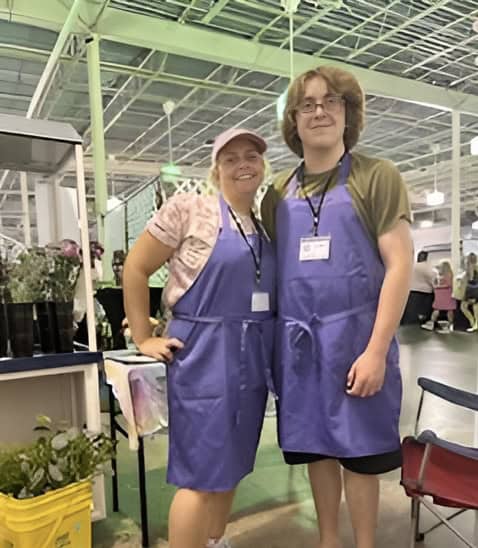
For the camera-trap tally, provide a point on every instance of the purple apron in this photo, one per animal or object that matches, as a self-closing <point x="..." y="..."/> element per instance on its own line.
<point x="326" y="313"/>
<point x="218" y="383"/>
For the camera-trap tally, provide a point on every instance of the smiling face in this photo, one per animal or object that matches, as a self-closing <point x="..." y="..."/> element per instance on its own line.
<point x="323" y="127"/>
<point x="240" y="168"/>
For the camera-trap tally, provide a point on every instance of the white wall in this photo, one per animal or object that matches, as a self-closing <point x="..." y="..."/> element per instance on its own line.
<point x="424" y="237"/>
<point x="440" y="236"/>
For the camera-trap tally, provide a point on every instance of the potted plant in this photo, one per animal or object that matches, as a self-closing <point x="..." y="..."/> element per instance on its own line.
<point x="46" y="487"/>
<point x="64" y="269"/>
<point x="26" y="276"/>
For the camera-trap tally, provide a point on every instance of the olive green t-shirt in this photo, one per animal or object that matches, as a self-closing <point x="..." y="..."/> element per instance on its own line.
<point x="378" y="193"/>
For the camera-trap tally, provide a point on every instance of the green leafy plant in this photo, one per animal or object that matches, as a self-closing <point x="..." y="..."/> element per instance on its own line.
<point x="27" y="276"/>
<point x="59" y="457"/>
<point x="63" y="276"/>
<point x="44" y="274"/>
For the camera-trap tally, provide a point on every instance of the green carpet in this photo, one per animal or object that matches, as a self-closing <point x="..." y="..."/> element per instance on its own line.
<point x="272" y="484"/>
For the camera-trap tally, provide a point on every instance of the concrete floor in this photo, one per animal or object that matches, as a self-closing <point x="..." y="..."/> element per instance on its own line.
<point x="273" y="506"/>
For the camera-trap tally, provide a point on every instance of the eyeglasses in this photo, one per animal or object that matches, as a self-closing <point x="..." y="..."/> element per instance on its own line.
<point x="330" y="104"/>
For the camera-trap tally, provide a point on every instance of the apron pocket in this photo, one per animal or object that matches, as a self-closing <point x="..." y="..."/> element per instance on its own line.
<point x="198" y="369"/>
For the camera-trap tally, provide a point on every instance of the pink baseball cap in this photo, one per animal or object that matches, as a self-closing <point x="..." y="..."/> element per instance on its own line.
<point x="226" y="136"/>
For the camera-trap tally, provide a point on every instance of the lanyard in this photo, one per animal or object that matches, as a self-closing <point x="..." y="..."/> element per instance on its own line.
<point x="315" y="212"/>
<point x="257" y="258"/>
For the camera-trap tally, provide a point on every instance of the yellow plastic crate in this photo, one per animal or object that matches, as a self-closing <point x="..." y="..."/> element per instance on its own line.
<point x="59" y="519"/>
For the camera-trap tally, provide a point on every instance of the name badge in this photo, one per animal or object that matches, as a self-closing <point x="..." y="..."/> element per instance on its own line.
<point x="316" y="248"/>
<point x="260" y="302"/>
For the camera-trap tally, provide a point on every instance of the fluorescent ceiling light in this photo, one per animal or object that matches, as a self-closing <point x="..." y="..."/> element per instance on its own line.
<point x="427" y="223"/>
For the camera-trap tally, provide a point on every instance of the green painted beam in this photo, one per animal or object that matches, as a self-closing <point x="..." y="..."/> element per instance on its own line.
<point x="207" y="45"/>
<point x="97" y="133"/>
<point x="215" y="10"/>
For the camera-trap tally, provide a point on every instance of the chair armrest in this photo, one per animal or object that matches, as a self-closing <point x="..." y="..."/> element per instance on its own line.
<point x="463" y="398"/>
<point x="429" y="437"/>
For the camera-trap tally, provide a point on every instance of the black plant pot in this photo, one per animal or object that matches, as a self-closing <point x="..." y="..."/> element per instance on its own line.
<point x="3" y="330"/>
<point x="46" y="326"/>
<point x="64" y="327"/>
<point x="20" y="328"/>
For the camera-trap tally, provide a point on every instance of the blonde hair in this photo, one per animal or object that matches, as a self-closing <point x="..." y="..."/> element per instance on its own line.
<point x="338" y="81"/>
<point x="445" y="268"/>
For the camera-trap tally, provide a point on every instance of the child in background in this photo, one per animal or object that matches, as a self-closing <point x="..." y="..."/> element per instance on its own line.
<point x="444" y="301"/>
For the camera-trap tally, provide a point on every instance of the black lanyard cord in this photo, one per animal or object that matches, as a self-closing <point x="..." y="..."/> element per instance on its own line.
<point x="257" y="258"/>
<point x="315" y="212"/>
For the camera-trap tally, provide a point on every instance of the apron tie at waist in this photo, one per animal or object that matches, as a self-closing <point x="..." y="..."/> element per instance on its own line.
<point x="372" y="306"/>
<point x="266" y="361"/>
<point x="218" y="319"/>
<point x="304" y="331"/>
<point x="200" y="319"/>
<point x="304" y="328"/>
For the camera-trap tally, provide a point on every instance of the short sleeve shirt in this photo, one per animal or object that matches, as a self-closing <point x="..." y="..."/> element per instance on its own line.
<point x="378" y="192"/>
<point x="190" y="224"/>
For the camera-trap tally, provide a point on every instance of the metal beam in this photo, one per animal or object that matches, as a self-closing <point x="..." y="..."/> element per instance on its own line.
<point x="220" y="48"/>
<point x="215" y="10"/>
<point x="170" y="37"/>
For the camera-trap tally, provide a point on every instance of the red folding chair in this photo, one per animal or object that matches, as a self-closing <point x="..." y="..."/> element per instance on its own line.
<point x="436" y="469"/>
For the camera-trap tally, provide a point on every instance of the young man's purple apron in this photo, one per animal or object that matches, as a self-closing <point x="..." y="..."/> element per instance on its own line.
<point x="218" y="383"/>
<point x="328" y="292"/>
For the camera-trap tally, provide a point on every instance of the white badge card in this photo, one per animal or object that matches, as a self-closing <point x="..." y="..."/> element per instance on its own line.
<point x="314" y="248"/>
<point x="260" y="302"/>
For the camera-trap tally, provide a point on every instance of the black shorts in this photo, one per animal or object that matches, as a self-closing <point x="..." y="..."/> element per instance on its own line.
<point x="370" y="464"/>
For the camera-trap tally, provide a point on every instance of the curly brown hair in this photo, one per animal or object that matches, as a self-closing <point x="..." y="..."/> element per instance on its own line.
<point x="338" y="81"/>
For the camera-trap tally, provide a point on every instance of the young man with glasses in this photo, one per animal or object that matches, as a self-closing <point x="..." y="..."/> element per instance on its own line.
<point x="344" y="251"/>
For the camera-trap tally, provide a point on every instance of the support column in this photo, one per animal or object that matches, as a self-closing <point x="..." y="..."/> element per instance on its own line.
<point x="455" y="193"/>
<point x="27" y="230"/>
<point x="97" y="132"/>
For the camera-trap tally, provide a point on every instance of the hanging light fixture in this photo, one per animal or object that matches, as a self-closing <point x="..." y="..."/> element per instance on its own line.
<point x="280" y="105"/>
<point x="169" y="172"/>
<point x="426" y="223"/>
<point x="113" y="201"/>
<point x="290" y="7"/>
<point x="435" y="198"/>
<point x="474" y="146"/>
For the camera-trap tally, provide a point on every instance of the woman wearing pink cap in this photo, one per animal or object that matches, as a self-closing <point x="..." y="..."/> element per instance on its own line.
<point x="219" y="342"/>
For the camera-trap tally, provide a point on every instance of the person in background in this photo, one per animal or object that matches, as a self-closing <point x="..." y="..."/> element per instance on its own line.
<point x="420" y="299"/>
<point x="444" y="301"/>
<point x="221" y="293"/>
<point x="467" y="292"/>
<point x="341" y="221"/>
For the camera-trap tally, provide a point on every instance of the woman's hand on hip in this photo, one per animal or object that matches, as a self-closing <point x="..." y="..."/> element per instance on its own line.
<point x="366" y="376"/>
<point x="160" y="348"/>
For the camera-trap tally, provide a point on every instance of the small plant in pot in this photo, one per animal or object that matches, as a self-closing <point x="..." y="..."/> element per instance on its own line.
<point x="64" y="268"/>
<point x="47" y="481"/>
<point x="26" y="276"/>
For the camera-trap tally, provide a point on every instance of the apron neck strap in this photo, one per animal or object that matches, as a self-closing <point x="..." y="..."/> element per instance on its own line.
<point x="226" y="225"/>
<point x="344" y="172"/>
